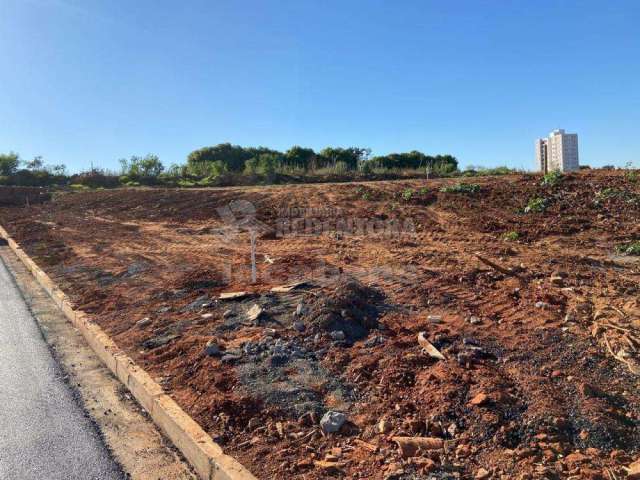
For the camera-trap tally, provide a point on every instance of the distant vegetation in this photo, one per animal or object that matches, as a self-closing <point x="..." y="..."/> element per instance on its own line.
<point x="227" y="164"/>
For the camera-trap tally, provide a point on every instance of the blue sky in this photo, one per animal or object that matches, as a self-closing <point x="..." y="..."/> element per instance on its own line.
<point x="95" y="80"/>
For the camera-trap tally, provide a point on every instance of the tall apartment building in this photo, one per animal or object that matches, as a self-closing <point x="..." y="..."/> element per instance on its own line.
<point x="558" y="152"/>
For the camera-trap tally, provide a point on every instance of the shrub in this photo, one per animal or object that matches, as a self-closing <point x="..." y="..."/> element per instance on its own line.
<point x="467" y="188"/>
<point x="632" y="248"/>
<point x="511" y="236"/>
<point x="96" y="178"/>
<point x="536" y="205"/>
<point x="9" y="163"/>
<point x="552" y="178"/>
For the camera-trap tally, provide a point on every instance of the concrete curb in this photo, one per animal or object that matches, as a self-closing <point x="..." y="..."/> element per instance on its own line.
<point x="207" y="457"/>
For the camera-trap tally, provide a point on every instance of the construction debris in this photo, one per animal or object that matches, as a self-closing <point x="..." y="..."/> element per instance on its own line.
<point x="432" y="351"/>
<point x="233" y="295"/>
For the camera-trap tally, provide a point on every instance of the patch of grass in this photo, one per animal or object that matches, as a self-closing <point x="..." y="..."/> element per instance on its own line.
<point x="467" y="188"/>
<point x="609" y="192"/>
<point x="407" y="194"/>
<point x="511" y="236"/>
<point x="632" y="248"/>
<point x="631" y="176"/>
<point x="552" y="178"/>
<point x="613" y="193"/>
<point x="363" y="193"/>
<point x="77" y="187"/>
<point x="536" y="205"/>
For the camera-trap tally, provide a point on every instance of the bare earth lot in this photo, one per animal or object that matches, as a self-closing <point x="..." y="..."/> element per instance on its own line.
<point x="539" y="377"/>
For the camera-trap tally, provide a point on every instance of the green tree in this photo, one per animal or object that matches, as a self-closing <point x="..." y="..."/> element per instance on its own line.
<point x="9" y="163"/>
<point x="137" y="168"/>
<point x="232" y="157"/>
<point x="35" y="165"/>
<point x="300" y="157"/>
<point x="351" y="157"/>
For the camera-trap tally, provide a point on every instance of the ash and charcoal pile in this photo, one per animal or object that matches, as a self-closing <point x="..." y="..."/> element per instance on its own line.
<point x="347" y="312"/>
<point x="284" y="367"/>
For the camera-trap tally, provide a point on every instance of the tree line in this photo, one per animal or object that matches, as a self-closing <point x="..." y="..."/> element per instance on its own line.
<point x="234" y="158"/>
<point x="226" y="160"/>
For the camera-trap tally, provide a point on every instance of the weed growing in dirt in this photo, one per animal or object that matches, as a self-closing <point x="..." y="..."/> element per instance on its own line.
<point x="407" y="193"/>
<point x="632" y="248"/>
<point x="552" y="178"/>
<point x="468" y="188"/>
<point x="511" y="236"/>
<point x="363" y="193"/>
<point x="536" y="205"/>
<point x="613" y="193"/>
<point x="76" y="187"/>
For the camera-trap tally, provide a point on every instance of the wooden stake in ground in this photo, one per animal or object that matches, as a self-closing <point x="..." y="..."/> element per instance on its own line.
<point x="253" y="257"/>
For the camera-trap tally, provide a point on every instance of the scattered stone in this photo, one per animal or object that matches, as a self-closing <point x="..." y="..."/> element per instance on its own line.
<point x="557" y="281"/>
<point x="300" y="309"/>
<point x="329" y="466"/>
<point x="232" y="295"/>
<point x="415" y="446"/>
<point x="435" y="319"/>
<point x="254" y="312"/>
<point x="227" y="314"/>
<point x="540" y="305"/>
<point x="465" y="358"/>
<point x="212" y="349"/>
<point x="337" y="335"/>
<point x="207" y="315"/>
<point x="158" y="341"/>
<point x="299" y="326"/>
<point x="332" y="421"/>
<point x="146" y="321"/>
<point x="197" y="304"/>
<point x="479" y="400"/>
<point x="575" y="458"/>
<point x="482" y="474"/>
<point x="633" y="471"/>
<point x="474" y="320"/>
<point x="230" y="357"/>
<point x="384" y="426"/>
<point x="373" y="341"/>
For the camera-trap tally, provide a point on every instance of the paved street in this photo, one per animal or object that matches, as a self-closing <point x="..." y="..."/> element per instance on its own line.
<point x="44" y="432"/>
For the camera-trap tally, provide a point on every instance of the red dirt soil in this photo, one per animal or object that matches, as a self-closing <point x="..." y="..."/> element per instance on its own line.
<point x="540" y="376"/>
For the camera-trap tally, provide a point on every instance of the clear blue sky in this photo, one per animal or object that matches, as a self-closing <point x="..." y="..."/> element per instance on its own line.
<point x="96" y="80"/>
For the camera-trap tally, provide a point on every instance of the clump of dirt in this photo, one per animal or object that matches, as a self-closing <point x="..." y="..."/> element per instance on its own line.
<point x="350" y="307"/>
<point x="199" y="279"/>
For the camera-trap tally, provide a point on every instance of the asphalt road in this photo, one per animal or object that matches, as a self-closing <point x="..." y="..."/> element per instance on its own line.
<point x="44" y="432"/>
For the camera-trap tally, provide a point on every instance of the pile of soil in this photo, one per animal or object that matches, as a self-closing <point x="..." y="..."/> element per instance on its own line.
<point x="349" y="307"/>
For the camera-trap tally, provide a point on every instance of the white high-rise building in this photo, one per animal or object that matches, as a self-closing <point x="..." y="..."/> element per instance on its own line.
<point x="558" y="152"/>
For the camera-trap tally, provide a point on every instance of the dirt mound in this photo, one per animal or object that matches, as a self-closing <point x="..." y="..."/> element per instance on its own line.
<point x="350" y="307"/>
<point x="198" y="279"/>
